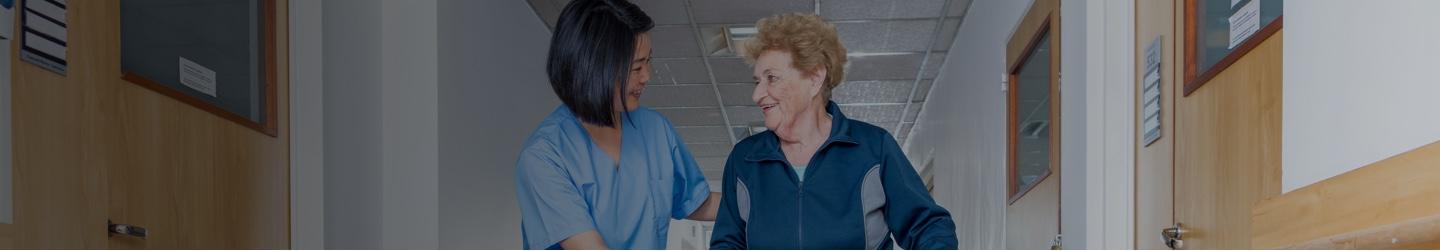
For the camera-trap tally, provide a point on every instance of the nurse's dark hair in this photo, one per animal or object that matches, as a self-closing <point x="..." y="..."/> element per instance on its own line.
<point x="591" y="53"/>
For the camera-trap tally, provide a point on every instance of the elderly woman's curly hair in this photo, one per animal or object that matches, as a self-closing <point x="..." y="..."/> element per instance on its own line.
<point x="811" y="42"/>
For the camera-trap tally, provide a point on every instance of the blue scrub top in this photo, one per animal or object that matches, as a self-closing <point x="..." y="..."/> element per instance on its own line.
<point x="567" y="185"/>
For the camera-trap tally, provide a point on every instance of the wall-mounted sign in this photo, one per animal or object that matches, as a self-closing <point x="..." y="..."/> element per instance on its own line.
<point x="1151" y="82"/>
<point x="7" y="19"/>
<point x="43" y="34"/>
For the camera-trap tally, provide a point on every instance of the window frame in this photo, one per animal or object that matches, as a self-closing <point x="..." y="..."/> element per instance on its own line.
<point x="1195" y="79"/>
<point x="1041" y="21"/>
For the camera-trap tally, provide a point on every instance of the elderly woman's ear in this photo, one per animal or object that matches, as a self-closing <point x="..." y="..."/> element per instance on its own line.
<point x="815" y="83"/>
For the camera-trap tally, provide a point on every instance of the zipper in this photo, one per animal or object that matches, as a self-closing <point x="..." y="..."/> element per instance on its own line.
<point x="801" y="215"/>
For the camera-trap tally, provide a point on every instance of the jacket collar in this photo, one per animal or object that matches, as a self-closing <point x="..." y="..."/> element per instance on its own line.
<point x="768" y="148"/>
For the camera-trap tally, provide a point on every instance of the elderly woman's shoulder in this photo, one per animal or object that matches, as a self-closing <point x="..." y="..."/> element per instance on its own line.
<point x="866" y="130"/>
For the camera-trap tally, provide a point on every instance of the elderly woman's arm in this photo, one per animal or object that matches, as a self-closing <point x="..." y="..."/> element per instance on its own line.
<point x="729" y="232"/>
<point x="915" y="220"/>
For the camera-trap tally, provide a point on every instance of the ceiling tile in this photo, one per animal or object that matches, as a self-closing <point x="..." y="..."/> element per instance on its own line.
<point x="745" y="11"/>
<point x="932" y="69"/>
<point x="703" y="134"/>
<point x="678" y="71"/>
<point x="878" y="115"/>
<point x="741" y="132"/>
<point x="675" y="42"/>
<point x="880" y="9"/>
<point x="925" y="86"/>
<point x="664" y="12"/>
<point x="702" y="116"/>
<point x="689" y="95"/>
<point x="709" y="149"/>
<point x="711" y="163"/>
<point x="887" y="36"/>
<point x="731" y="70"/>
<point x="905" y="129"/>
<point x="958" y="8"/>
<point x="947" y="34"/>
<point x="884" y="67"/>
<point x="744" y="115"/>
<point x="914" y="112"/>
<point x="872" y="91"/>
<point x="737" y="94"/>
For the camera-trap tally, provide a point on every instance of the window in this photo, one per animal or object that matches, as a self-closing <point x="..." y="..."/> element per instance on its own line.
<point x="1209" y="48"/>
<point x="1032" y="110"/>
<point x="216" y="55"/>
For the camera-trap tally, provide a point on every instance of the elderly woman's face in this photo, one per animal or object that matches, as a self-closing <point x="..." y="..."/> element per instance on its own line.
<point x="782" y="91"/>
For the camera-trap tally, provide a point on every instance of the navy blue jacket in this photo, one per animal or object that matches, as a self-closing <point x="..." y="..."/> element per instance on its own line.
<point x="859" y="191"/>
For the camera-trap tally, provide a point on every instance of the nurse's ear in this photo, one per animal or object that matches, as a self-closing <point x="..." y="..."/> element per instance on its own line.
<point x="815" y="82"/>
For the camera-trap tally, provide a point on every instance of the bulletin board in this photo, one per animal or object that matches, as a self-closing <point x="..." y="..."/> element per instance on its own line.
<point x="217" y="55"/>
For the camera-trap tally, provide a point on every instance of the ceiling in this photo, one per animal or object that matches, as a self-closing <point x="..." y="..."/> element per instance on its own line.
<point x="896" y="50"/>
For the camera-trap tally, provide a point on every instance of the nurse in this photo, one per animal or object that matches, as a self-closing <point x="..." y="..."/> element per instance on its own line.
<point x="602" y="172"/>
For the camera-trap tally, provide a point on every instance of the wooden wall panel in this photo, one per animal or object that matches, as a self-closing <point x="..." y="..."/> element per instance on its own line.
<point x="1032" y="222"/>
<point x="1390" y="204"/>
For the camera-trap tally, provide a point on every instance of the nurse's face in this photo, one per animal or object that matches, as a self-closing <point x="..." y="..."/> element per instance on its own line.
<point x="639" y="75"/>
<point x="782" y="91"/>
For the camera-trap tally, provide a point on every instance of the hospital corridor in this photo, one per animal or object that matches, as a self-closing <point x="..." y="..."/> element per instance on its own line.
<point x="719" y="124"/>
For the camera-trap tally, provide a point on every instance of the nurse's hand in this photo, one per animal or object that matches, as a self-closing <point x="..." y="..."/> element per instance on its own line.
<point x="588" y="240"/>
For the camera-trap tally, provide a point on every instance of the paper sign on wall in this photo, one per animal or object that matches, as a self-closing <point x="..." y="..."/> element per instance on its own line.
<point x="197" y="77"/>
<point x="1244" y="22"/>
<point x="43" y="34"/>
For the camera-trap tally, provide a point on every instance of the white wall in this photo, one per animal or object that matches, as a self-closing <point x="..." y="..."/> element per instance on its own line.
<point x="964" y="123"/>
<point x="1073" y="136"/>
<point x="409" y="122"/>
<point x="373" y="98"/>
<point x="307" y="138"/>
<point x="380" y="174"/>
<point x="351" y="96"/>
<point x="493" y="92"/>
<point x="1359" y="84"/>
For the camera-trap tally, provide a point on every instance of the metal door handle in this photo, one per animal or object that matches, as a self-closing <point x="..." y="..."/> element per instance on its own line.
<point x="126" y="230"/>
<point x="1173" y="236"/>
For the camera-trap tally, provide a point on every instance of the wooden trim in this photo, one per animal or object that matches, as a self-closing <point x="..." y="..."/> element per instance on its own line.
<point x="268" y="66"/>
<point x="1383" y="205"/>
<point x="1194" y="81"/>
<point x="1041" y="21"/>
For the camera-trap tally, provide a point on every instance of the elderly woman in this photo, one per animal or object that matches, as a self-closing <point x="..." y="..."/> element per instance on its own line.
<point x="816" y="179"/>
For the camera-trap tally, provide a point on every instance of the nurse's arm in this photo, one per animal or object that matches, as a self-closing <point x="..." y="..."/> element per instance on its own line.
<point x="588" y="240"/>
<point x="707" y="210"/>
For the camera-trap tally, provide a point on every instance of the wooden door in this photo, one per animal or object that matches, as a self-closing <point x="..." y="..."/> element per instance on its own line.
<point x="91" y="148"/>
<point x="1225" y="138"/>
<point x="1154" y="163"/>
<point x="1032" y="218"/>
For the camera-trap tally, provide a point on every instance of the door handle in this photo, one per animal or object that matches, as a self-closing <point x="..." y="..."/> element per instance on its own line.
<point x="126" y="230"/>
<point x="1173" y="236"/>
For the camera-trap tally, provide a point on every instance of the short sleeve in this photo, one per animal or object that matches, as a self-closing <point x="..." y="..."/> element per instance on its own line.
<point x="691" y="190"/>
<point x="551" y="206"/>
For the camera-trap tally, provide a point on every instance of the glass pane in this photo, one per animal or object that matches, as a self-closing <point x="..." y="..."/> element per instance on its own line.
<point x="160" y="37"/>
<point x="1213" y="27"/>
<point x="1032" y="108"/>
